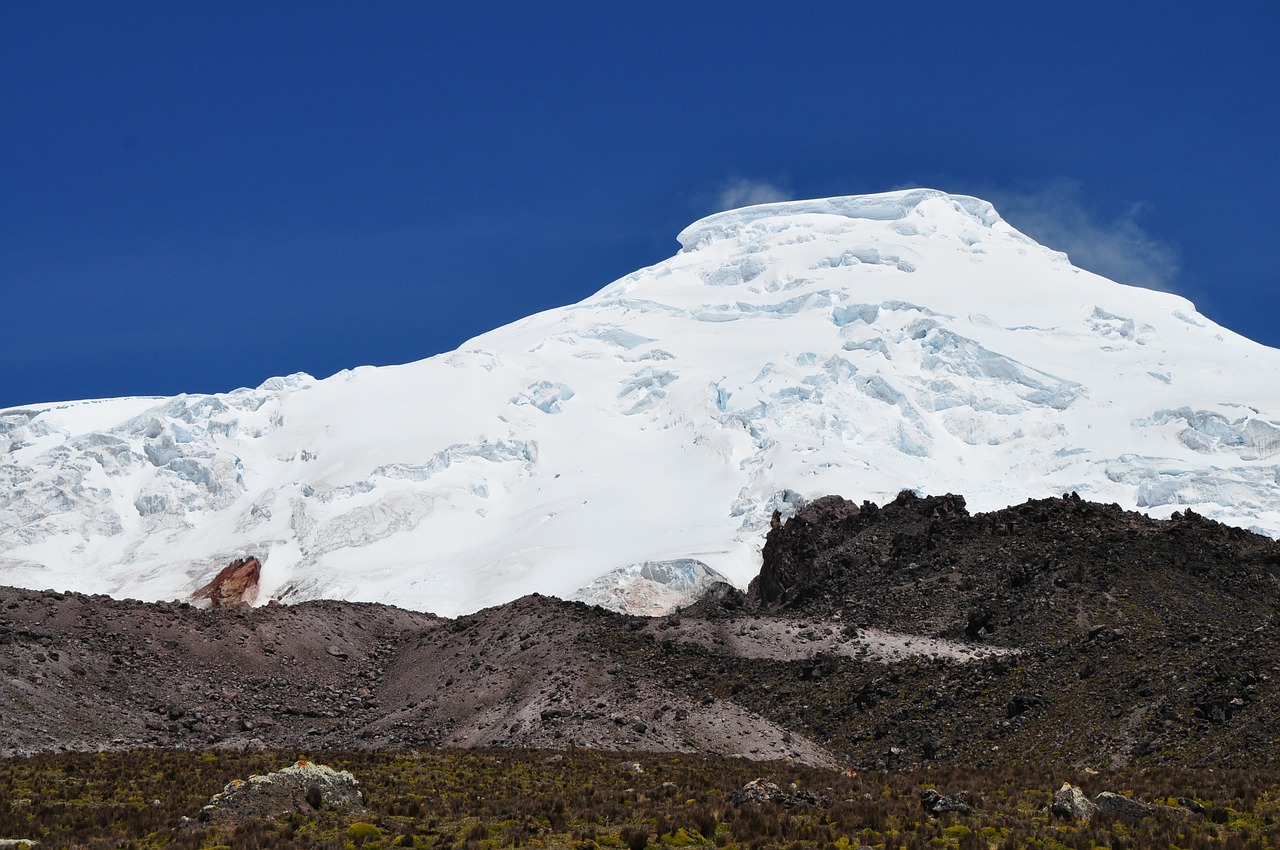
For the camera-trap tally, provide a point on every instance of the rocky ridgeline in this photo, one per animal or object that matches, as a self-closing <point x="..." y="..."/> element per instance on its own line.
<point x="891" y="636"/>
<point x="1129" y="638"/>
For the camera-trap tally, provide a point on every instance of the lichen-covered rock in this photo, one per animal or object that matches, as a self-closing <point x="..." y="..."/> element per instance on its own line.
<point x="935" y="804"/>
<point x="763" y="791"/>
<point x="1114" y="805"/>
<point x="303" y="787"/>
<point x="1070" y="803"/>
<point x="757" y="791"/>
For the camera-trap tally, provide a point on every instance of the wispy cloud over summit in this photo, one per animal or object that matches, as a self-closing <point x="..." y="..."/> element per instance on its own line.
<point x="743" y="192"/>
<point x="1115" y="246"/>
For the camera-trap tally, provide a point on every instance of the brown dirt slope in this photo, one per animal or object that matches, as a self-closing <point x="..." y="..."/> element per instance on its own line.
<point x="89" y="672"/>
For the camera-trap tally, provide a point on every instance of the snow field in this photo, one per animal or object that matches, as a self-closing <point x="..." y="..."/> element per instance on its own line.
<point x="856" y="346"/>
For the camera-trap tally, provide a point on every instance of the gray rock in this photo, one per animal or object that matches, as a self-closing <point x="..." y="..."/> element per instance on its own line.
<point x="1192" y="806"/>
<point x="763" y="791"/>
<point x="304" y="787"/>
<point x="1119" y="806"/>
<point x="1070" y="803"/>
<point x="936" y="804"/>
<point x="757" y="791"/>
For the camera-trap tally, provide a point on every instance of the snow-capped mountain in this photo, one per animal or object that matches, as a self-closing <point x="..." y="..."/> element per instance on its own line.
<point x="857" y="345"/>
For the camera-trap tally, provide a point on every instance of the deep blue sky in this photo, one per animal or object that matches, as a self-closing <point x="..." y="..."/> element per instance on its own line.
<point x="196" y="197"/>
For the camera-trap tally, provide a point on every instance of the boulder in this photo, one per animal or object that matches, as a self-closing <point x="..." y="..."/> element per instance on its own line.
<point x="1192" y="806"/>
<point x="757" y="791"/>
<point x="936" y="804"/>
<point x="1070" y="803"/>
<point x="303" y="787"/>
<point x="1113" y="805"/>
<point x="763" y="791"/>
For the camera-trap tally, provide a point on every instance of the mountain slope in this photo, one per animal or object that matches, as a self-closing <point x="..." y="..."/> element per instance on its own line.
<point x="1056" y="632"/>
<point x="858" y="345"/>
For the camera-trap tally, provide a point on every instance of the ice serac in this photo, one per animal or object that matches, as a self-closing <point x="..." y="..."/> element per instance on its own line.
<point x="653" y="588"/>
<point x="859" y="346"/>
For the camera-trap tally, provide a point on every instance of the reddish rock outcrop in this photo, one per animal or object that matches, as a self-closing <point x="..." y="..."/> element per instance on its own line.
<point x="236" y="584"/>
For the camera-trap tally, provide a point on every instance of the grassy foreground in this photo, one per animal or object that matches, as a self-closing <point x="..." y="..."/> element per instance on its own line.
<point x="486" y="800"/>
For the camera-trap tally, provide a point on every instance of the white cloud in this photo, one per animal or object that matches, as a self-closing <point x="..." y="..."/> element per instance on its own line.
<point x="1113" y="245"/>
<point x="741" y="192"/>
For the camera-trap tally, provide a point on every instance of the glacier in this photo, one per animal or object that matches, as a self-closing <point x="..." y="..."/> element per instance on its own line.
<point x="859" y="345"/>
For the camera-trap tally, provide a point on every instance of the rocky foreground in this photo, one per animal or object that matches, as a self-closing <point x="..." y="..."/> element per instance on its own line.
<point x="1057" y="631"/>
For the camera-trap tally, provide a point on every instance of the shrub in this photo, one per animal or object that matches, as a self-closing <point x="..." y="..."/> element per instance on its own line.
<point x="636" y="837"/>
<point x="360" y="832"/>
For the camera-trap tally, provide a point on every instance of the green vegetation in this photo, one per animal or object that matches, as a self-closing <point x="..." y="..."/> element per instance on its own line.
<point x="496" y="799"/>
